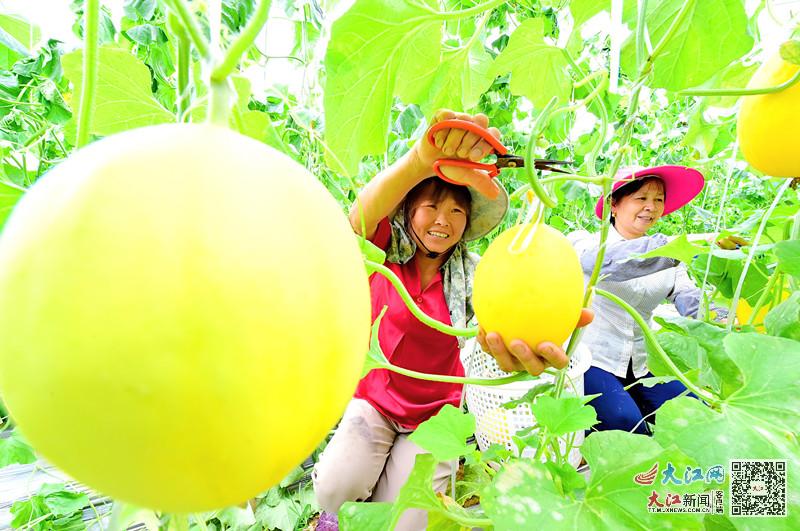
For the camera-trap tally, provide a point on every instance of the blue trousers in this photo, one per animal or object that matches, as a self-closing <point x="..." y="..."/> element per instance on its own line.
<point x="618" y="409"/>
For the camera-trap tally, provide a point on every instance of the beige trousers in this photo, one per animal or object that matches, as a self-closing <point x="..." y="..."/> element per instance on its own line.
<point x="370" y="458"/>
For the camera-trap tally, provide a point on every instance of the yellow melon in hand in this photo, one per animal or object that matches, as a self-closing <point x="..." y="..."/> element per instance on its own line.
<point x="529" y="290"/>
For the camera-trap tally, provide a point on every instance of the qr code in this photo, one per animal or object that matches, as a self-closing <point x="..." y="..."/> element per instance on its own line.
<point x="758" y="487"/>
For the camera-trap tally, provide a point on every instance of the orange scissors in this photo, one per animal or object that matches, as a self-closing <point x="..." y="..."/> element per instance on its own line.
<point x="503" y="158"/>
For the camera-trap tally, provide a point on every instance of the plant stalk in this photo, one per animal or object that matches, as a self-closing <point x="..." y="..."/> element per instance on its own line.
<point x="742" y="91"/>
<point x="754" y="245"/>
<point x="181" y="9"/>
<point x="242" y="42"/>
<point x="89" y="73"/>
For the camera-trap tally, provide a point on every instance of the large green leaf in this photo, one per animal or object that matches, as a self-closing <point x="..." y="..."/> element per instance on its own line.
<point x="525" y="496"/>
<point x="538" y="70"/>
<point x="461" y="77"/>
<point x="17" y="39"/>
<point x="123" y="99"/>
<point x="680" y="249"/>
<point x="713" y="34"/>
<point x="563" y="415"/>
<point x="444" y="435"/>
<point x="13" y="450"/>
<point x="788" y="253"/>
<point x="784" y="319"/>
<point x="378" y="50"/>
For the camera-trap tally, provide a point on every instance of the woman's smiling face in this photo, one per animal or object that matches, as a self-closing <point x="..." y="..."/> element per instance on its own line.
<point x="439" y="224"/>
<point x="634" y="214"/>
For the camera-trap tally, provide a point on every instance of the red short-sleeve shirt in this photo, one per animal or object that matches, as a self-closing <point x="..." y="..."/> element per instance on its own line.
<point x="410" y="344"/>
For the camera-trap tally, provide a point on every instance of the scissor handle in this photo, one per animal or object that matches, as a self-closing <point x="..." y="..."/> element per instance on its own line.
<point x="461" y="163"/>
<point x="472" y="127"/>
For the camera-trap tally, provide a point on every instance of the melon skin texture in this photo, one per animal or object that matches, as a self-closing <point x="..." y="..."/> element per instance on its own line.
<point x="768" y="125"/>
<point x="184" y="316"/>
<point x="535" y="295"/>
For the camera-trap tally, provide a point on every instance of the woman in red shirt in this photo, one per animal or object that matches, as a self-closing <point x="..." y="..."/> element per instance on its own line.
<point x="422" y="223"/>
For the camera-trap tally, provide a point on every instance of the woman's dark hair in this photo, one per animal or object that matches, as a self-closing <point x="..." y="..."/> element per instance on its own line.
<point x="633" y="187"/>
<point x="437" y="189"/>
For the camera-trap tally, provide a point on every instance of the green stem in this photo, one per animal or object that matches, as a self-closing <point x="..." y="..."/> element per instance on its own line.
<point x="220" y="100"/>
<point x="754" y="245"/>
<point x="521" y="376"/>
<point x="184" y="53"/>
<point x="190" y="24"/>
<point x="533" y="179"/>
<point x="472" y="11"/>
<point x="89" y="75"/>
<point x="676" y="23"/>
<point x="764" y="295"/>
<point x="651" y="339"/>
<point x="742" y="91"/>
<point x="585" y="101"/>
<point x="419" y="314"/>
<point x="242" y="42"/>
<point x="586" y="79"/>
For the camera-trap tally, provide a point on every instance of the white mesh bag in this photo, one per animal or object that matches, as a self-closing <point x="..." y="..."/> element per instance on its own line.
<point x="495" y="424"/>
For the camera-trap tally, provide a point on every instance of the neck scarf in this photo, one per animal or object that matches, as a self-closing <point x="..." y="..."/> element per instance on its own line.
<point x="457" y="273"/>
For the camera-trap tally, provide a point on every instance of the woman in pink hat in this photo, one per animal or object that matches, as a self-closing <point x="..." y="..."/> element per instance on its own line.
<point x="640" y="197"/>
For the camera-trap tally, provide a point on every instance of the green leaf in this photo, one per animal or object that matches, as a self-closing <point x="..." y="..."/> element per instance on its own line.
<point x="531" y="394"/>
<point x="236" y="518"/>
<point x="713" y="34"/>
<point x="123" y="99"/>
<point x="25" y="33"/>
<point x="27" y="511"/>
<point x="524" y="494"/>
<point x="565" y="477"/>
<point x="725" y="270"/>
<point x="140" y="9"/>
<point x="790" y="51"/>
<point x="538" y="70"/>
<point x="354" y="516"/>
<point x="257" y="125"/>
<point x="444" y="435"/>
<point x="146" y="34"/>
<point x="378" y="49"/>
<point x="563" y="415"/>
<point x="8" y="40"/>
<point x="788" y="253"/>
<point x="679" y="249"/>
<point x="462" y="76"/>
<point x="784" y="319"/>
<point x="418" y="493"/>
<point x="284" y="514"/>
<point x="14" y="450"/>
<point x="9" y="195"/>
<point x="17" y="39"/>
<point x="62" y="502"/>
<point x="695" y="344"/>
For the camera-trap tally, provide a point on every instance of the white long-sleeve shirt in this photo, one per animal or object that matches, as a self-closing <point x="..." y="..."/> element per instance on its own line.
<point x="613" y="337"/>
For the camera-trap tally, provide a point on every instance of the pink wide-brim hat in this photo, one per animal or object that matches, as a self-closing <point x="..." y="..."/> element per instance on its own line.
<point x="681" y="184"/>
